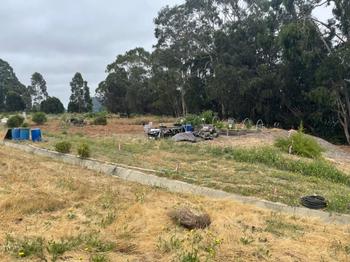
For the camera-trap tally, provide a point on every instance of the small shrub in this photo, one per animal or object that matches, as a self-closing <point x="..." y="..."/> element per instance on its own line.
<point x="100" y="120"/>
<point x="84" y="150"/>
<point x="63" y="147"/>
<point x="25" y="124"/>
<point x="15" y="121"/>
<point x="39" y="118"/>
<point x="194" y="120"/>
<point x="208" y="117"/>
<point x="301" y="145"/>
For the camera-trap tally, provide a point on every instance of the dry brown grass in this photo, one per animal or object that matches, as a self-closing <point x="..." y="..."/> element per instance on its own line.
<point x="41" y="197"/>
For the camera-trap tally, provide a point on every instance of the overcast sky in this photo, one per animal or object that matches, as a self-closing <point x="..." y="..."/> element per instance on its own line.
<point x="60" y="37"/>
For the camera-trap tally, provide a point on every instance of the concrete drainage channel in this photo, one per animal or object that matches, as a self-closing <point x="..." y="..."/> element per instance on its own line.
<point x="132" y="175"/>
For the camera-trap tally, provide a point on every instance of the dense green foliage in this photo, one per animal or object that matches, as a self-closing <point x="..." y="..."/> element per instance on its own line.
<point x="39" y="118"/>
<point x="52" y="105"/>
<point x="300" y="144"/>
<point x="63" y="147"/>
<point x="15" y="121"/>
<point x="262" y="60"/>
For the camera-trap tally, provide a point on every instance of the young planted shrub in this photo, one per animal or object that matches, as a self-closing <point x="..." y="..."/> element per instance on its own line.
<point x="39" y="118"/>
<point x="15" y="121"/>
<point x="84" y="150"/>
<point x="63" y="147"/>
<point x="301" y="145"/>
<point x="100" y="120"/>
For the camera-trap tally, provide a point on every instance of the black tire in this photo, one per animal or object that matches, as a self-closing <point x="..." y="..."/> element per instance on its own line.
<point x="314" y="202"/>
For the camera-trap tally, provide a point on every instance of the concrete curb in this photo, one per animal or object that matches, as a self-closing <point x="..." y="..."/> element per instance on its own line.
<point x="179" y="186"/>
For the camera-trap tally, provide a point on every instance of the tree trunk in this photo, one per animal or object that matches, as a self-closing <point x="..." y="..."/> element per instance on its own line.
<point x="183" y="102"/>
<point x="223" y="110"/>
<point x="344" y="113"/>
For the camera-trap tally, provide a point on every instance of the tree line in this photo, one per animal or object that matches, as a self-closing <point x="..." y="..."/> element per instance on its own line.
<point x="262" y="59"/>
<point x="14" y="96"/>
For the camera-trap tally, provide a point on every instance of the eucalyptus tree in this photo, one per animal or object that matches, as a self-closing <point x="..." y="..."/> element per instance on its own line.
<point x="128" y="79"/>
<point x="38" y="90"/>
<point x="80" y="100"/>
<point x="13" y="94"/>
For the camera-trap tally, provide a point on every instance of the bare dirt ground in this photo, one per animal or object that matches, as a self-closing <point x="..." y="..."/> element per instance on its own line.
<point x="127" y="222"/>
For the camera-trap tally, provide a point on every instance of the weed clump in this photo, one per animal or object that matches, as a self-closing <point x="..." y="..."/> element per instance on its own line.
<point x="27" y="247"/>
<point x="300" y="144"/>
<point x="84" y="150"/>
<point x="63" y="147"/>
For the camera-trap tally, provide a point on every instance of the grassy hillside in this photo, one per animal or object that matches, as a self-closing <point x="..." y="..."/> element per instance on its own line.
<point x="59" y="212"/>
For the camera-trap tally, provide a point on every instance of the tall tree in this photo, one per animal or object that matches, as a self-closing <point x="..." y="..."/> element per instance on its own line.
<point x="87" y="98"/>
<point x="38" y="90"/>
<point x="10" y="86"/>
<point x="128" y="79"/>
<point x="80" y="100"/>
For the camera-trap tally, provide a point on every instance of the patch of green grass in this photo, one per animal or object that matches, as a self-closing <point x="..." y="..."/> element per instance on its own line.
<point x="26" y="247"/>
<point x="273" y="158"/>
<point x="99" y="258"/>
<point x="58" y="248"/>
<point x="93" y="242"/>
<point x="276" y="225"/>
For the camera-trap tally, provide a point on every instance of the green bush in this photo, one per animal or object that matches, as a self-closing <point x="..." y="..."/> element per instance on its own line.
<point x="84" y="150"/>
<point x="301" y="145"/>
<point x="15" y="121"/>
<point x="194" y="120"/>
<point x="25" y="124"/>
<point x="63" y="147"/>
<point x="208" y="117"/>
<point x="100" y="120"/>
<point x="39" y="118"/>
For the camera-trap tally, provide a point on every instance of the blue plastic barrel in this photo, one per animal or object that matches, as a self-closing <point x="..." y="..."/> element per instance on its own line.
<point x="36" y="135"/>
<point x="24" y="134"/>
<point x="15" y="133"/>
<point x="188" y="128"/>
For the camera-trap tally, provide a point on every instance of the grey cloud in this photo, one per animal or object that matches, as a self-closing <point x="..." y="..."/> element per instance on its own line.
<point x="59" y="38"/>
